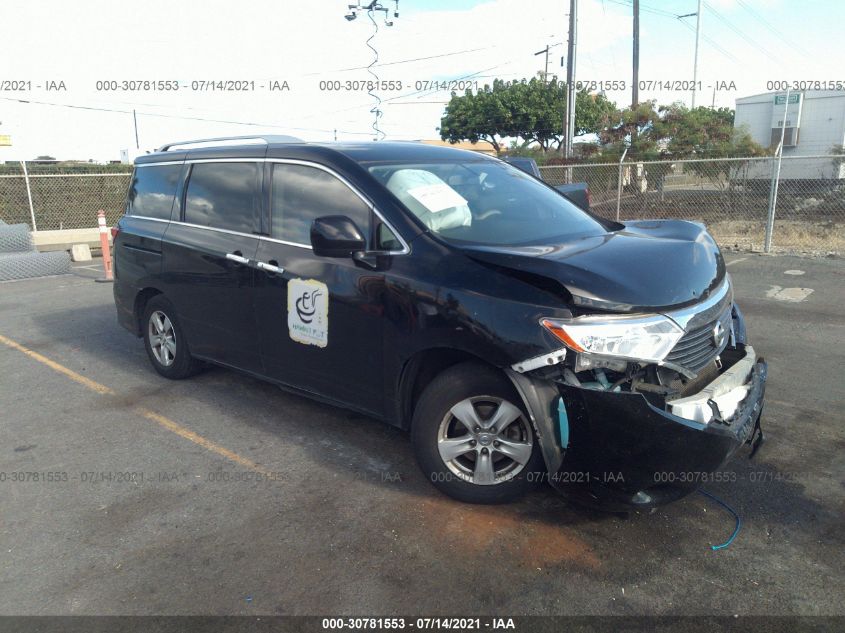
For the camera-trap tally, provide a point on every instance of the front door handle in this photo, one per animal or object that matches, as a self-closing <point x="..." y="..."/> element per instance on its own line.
<point x="270" y="267"/>
<point x="237" y="257"/>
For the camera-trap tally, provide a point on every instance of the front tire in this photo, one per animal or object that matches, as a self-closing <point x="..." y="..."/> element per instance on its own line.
<point x="472" y="437"/>
<point x="165" y="341"/>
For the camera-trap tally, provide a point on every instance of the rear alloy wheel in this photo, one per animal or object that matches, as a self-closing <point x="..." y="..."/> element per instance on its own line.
<point x="473" y="438"/>
<point x="165" y="342"/>
<point x="162" y="338"/>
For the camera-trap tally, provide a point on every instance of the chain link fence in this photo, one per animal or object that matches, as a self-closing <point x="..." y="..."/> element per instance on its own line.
<point x="49" y="201"/>
<point x="801" y="205"/>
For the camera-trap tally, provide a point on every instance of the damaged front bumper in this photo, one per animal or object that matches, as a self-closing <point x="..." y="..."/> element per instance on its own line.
<point x="626" y="450"/>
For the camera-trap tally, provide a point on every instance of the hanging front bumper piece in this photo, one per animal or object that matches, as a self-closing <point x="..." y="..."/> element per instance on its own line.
<point x="622" y="450"/>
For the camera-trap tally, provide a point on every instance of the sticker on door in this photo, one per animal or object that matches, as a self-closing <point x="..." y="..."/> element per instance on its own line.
<point x="308" y="312"/>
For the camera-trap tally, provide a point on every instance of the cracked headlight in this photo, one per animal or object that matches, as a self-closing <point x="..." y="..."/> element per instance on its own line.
<point x="639" y="338"/>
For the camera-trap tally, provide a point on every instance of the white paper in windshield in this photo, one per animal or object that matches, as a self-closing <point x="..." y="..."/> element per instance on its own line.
<point x="437" y="197"/>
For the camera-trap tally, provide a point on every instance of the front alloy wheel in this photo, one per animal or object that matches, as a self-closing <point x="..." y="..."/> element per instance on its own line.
<point x="485" y="440"/>
<point x="473" y="439"/>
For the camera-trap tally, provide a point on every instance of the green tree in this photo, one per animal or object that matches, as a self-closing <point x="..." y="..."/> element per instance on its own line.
<point x="703" y="133"/>
<point x="530" y="110"/>
<point x="706" y="133"/>
<point x="674" y="131"/>
<point x="632" y="129"/>
<point x="474" y="117"/>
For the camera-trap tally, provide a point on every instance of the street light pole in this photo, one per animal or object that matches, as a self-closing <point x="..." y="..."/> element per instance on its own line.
<point x="695" y="63"/>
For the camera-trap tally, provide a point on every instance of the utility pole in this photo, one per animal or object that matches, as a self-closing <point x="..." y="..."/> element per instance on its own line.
<point x="635" y="85"/>
<point x="569" y="119"/>
<point x="545" y="52"/>
<point x="695" y="63"/>
<point x="135" y="120"/>
<point x="546" y="71"/>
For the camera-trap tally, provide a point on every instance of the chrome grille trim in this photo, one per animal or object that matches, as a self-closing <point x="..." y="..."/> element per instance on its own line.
<point x="697" y="348"/>
<point x="706" y="311"/>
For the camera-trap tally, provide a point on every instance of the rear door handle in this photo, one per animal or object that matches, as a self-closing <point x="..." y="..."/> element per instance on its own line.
<point x="270" y="268"/>
<point x="237" y="257"/>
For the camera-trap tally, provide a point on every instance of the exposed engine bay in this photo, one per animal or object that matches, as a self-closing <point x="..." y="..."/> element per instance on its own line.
<point x="647" y="421"/>
<point x="704" y="377"/>
<point x="713" y="394"/>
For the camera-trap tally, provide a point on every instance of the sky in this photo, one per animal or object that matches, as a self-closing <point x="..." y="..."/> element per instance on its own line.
<point x="64" y="59"/>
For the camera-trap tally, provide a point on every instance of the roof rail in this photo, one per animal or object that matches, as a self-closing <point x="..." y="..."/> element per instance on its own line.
<point x="273" y="138"/>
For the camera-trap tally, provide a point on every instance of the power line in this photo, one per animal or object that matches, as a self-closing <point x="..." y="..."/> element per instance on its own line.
<point x="176" y="116"/>
<point x="712" y="43"/>
<point x="408" y="61"/>
<point x="395" y="63"/>
<point x="423" y="92"/>
<point x="612" y="54"/>
<point x="751" y="42"/>
<point x="646" y="8"/>
<point x="772" y="28"/>
<point x="675" y="16"/>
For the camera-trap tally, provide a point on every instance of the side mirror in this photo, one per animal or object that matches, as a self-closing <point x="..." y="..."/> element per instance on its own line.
<point x="336" y="236"/>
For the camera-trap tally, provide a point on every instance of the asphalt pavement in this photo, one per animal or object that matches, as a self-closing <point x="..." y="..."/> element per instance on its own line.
<point x="224" y="495"/>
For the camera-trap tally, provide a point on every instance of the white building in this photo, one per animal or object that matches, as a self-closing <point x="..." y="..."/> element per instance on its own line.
<point x="815" y="123"/>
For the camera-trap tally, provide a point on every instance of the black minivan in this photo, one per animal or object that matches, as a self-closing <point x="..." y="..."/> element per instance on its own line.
<point x="517" y="337"/>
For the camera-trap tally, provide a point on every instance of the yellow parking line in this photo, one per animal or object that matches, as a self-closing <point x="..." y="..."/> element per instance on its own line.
<point x="82" y="380"/>
<point x="162" y="421"/>
<point x="199" y="440"/>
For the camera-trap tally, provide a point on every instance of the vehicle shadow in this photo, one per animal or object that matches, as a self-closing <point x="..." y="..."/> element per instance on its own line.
<point x="373" y="453"/>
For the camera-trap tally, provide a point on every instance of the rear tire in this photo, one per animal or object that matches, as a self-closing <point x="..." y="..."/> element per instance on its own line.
<point x="473" y="438"/>
<point x="164" y="339"/>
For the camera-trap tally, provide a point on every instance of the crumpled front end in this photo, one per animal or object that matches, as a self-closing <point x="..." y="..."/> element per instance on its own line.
<point x="627" y="450"/>
<point x="626" y="435"/>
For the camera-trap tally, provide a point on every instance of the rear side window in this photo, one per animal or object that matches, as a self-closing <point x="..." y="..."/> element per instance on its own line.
<point x="300" y="194"/>
<point x="152" y="190"/>
<point x="223" y="196"/>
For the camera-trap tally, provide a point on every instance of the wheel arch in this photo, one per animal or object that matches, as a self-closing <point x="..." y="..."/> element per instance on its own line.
<point x="536" y="396"/>
<point x="418" y="372"/>
<point x="141" y="299"/>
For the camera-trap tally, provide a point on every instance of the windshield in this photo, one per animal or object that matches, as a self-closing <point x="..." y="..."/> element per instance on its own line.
<point x="485" y="202"/>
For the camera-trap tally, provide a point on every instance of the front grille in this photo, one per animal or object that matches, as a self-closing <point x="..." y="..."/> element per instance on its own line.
<point x="697" y="348"/>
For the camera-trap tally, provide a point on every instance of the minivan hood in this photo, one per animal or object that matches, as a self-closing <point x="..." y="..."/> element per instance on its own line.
<point x="647" y="265"/>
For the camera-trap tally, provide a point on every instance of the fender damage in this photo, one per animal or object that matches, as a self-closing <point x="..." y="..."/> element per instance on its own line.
<point x="643" y="444"/>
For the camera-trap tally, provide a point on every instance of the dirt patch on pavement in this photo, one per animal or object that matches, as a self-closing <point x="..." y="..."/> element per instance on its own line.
<point x="500" y="529"/>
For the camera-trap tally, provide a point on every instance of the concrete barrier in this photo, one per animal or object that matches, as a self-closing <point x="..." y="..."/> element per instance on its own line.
<point x="65" y="239"/>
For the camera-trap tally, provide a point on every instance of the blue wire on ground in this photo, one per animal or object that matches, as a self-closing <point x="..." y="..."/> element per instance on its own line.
<point x="732" y="511"/>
